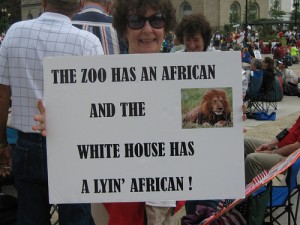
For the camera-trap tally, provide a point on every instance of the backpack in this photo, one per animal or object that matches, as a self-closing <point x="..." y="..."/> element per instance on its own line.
<point x="288" y="60"/>
<point x="291" y="89"/>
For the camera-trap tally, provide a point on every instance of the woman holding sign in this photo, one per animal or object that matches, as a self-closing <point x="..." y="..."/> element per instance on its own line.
<point x="143" y="24"/>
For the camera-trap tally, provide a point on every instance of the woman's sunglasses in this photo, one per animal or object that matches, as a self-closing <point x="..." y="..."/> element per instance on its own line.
<point x="136" y="22"/>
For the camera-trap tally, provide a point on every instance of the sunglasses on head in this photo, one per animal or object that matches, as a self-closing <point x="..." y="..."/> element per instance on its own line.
<point x="136" y="22"/>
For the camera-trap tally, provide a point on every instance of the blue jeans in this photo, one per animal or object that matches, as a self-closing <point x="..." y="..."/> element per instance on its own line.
<point x="31" y="178"/>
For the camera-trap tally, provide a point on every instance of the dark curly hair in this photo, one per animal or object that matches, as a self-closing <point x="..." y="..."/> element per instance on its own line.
<point x="190" y="25"/>
<point x="270" y="63"/>
<point x="122" y="8"/>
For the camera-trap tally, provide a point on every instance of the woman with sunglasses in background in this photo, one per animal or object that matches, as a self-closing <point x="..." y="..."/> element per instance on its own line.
<point x="143" y="24"/>
<point x="194" y="32"/>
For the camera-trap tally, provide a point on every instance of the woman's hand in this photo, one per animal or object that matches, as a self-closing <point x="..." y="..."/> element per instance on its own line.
<point x="41" y="118"/>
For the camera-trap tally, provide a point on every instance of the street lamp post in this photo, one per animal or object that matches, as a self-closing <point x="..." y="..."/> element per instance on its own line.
<point x="296" y="5"/>
<point x="246" y="22"/>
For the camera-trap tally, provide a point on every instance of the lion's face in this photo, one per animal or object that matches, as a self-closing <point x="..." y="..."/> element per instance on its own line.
<point x="217" y="105"/>
<point x="215" y="101"/>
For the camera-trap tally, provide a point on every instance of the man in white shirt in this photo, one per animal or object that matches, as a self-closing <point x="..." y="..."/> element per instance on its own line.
<point x="25" y="46"/>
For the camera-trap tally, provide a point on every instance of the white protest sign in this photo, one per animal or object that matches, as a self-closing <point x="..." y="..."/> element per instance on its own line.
<point x="257" y="54"/>
<point x="116" y="128"/>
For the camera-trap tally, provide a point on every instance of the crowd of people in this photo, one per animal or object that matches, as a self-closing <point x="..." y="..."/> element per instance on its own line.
<point x="136" y="26"/>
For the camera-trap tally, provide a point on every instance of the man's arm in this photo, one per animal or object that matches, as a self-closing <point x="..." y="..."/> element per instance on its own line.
<point x="5" y="149"/>
<point x="269" y="146"/>
<point x="5" y="94"/>
<point x="288" y="149"/>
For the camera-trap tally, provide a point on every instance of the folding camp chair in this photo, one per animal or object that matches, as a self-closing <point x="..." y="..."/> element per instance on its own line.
<point x="280" y="197"/>
<point x="253" y="94"/>
<point x="257" y="206"/>
<point x="261" y="102"/>
<point x="255" y="81"/>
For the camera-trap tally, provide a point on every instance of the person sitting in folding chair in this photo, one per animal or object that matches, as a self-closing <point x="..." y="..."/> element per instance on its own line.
<point x="271" y="89"/>
<point x="268" y="75"/>
<point x="261" y="155"/>
<point x="290" y="80"/>
<point x="257" y="99"/>
<point x="254" y="76"/>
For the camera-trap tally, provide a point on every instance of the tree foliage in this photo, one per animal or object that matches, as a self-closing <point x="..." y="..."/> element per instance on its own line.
<point x="252" y="11"/>
<point x="294" y="15"/>
<point x="275" y="11"/>
<point x="234" y="18"/>
<point x="13" y="8"/>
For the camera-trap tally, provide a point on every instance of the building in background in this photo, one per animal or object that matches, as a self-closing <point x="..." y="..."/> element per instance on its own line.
<point x="218" y="12"/>
<point x="31" y="9"/>
<point x="221" y="12"/>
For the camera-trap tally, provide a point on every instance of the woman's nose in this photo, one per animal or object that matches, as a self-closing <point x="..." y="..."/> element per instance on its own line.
<point x="147" y="26"/>
<point x="192" y="44"/>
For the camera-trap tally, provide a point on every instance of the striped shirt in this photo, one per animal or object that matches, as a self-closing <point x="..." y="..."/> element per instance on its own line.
<point x="25" y="46"/>
<point x="94" y="20"/>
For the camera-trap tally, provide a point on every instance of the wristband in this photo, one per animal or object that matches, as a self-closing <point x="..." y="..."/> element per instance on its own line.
<point x="2" y="145"/>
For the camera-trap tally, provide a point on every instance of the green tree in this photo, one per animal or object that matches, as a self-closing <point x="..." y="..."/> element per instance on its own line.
<point x="294" y="17"/>
<point x="11" y="15"/>
<point x="252" y="11"/>
<point x="275" y="11"/>
<point x="234" y="18"/>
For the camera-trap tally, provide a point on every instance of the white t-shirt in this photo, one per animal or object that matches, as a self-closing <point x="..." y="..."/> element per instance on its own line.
<point x="165" y="203"/>
<point x="290" y="76"/>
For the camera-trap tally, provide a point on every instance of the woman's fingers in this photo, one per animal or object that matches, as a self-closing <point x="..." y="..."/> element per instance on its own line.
<point x="40" y="118"/>
<point x="41" y="107"/>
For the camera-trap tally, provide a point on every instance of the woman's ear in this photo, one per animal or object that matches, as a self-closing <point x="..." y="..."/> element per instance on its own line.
<point x="81" y="4"/>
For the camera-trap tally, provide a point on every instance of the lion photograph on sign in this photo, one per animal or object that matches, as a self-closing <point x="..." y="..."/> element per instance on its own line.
<point x="206" y="107"/>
